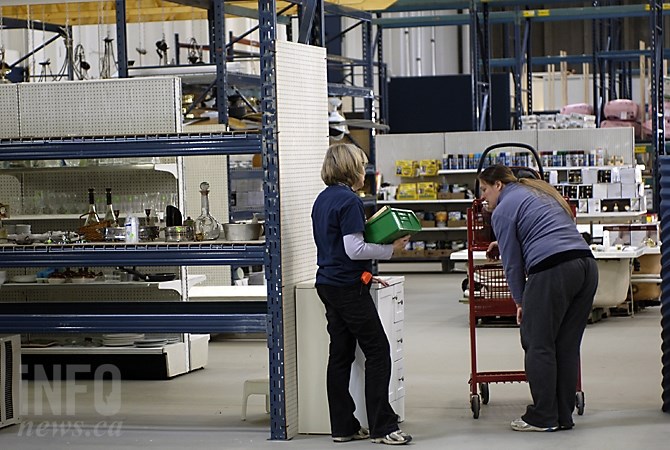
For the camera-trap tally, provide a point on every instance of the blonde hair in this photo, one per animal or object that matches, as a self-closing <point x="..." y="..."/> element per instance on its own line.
<point x="343" y="163"/>
<point x="504" y="174"/>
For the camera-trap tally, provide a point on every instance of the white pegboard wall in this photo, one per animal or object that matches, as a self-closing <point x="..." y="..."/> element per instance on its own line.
<point x="100" y="107"/>
<point x="9" y="111"/>
<point x="302" y="116"/>
<point x="212" y="169"/>
<point x="615" y="141"/>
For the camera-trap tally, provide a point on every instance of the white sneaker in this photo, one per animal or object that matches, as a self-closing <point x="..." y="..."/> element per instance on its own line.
<point x="521" y="425"/>
<point x="397" y="437"/>
<point x="362" y="433"/>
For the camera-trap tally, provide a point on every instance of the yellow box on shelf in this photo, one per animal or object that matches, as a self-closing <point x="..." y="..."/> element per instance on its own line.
<point x="429" y="167"/>
<point x="406" y="168"/>
<point x="427" y="190"/>
<point x="407" y="191"/>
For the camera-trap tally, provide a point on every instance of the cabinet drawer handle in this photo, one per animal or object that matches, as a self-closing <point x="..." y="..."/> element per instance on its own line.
<point x="400" y="341"/>
<point x="401" y="302"/>
<point x="401" y="379"/>
<point x="395" y="298"/>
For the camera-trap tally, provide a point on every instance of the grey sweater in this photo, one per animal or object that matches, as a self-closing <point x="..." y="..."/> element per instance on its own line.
<point x="531" y="227"/>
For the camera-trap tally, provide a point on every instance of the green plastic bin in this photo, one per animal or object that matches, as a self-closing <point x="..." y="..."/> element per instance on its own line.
<point x="389" y="224"/>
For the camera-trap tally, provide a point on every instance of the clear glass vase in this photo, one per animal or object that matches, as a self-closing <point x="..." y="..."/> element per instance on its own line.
<point x="207" y="228"/>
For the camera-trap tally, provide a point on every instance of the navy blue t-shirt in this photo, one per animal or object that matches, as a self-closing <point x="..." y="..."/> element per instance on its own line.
<point x="337" y="212"/>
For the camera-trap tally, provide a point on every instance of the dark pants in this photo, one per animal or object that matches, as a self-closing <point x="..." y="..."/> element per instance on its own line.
<point x="352" y="317"/>
<point x="556" y="306"/>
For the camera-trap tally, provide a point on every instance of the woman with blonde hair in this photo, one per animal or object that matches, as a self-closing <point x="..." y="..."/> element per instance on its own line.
<point x="343" y="257"/>
<point x="553" y="277"/>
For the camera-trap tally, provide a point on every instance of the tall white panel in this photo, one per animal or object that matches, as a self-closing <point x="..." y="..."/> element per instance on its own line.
<point x="302" y="116"/>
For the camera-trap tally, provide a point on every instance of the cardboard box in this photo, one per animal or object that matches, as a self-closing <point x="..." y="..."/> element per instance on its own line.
<point x="589" y="176"/>
<point x="600" y="190"/>
<point x="427" y="190"/>
<point x="614" y="190"/>
<point x="407" y="191"/>
<point x="427" y="223"/>
<point x="429" y="167"/>
<point x="406" y="168"/>
<point x="457" y="223"/>
<point x="451" y="195"/>
<point x="628" y="190"/>
<point x="594" y="205"/>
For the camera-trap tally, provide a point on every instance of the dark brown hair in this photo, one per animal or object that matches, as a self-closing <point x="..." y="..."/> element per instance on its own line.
<point x="504" y="174"/>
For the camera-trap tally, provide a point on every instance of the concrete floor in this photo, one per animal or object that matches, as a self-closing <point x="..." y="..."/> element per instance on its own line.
<point x="621" y="373"/>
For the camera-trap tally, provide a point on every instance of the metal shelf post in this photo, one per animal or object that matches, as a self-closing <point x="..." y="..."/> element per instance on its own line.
<point x="267" y="11"/>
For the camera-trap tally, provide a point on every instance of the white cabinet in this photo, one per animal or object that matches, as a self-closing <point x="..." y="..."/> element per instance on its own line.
<point x="312" y="349"/>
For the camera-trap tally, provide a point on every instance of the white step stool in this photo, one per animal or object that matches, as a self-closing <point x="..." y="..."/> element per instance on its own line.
<point x="255" y="386"/>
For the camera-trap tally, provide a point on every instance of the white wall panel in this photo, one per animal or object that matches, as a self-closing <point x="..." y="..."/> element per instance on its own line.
<point x="100" y="107"/>
<point x="615" y="141"/>
<point x="9" y="111"/>
<point x="302" y="115"/>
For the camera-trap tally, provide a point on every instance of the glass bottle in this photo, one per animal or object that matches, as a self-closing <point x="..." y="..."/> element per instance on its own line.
<point x="110" y="217"/>
<point x="92" y="215"/>
<point x="207" y="228"/>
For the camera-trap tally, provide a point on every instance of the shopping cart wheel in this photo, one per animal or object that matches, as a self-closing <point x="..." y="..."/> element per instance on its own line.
<point x="580" y="403"/>
<point x="484" y="391"/>
<point x="474" y="406"/>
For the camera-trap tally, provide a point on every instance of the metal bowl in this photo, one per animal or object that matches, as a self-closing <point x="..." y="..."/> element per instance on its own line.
<point x="179" y="234"/>
<point x="242" y="231"/>
<point x="149" y="233"/>
<point x="114" y="234"/>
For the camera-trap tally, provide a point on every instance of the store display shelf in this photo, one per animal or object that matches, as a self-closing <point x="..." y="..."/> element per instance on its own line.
<point x="73" y="350"/>
<point x="548" y="168"/>
<point x="418" y="259"/>
<point x="612" y="217"/>
<point x="142" y="254"/>
<point x="196" y="74"/>
<point x="444" y="228"/>
<point x="32" y="217"/>
<point x="170" y="168"/>
<point x="455" y="171"/>
<point x="174" y="285"/>
<point x="399" y="202"/>
<point x="177" y="144"/>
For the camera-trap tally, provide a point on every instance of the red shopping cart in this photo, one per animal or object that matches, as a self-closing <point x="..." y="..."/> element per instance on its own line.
<point x="489" y="295"/>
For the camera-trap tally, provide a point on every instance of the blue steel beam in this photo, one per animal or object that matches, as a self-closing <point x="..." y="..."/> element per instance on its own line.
<point x="126" y="147"/>
<point x="155" y="316"/>
<point x="436" y="5"/>
<point x="170" y="254"/>
<point x="339" y="10"/>
<point x="129" y="323"/>
<point x="306" y="19"/>
<point x="540" y="15"/>
<point x="626" y="55"/>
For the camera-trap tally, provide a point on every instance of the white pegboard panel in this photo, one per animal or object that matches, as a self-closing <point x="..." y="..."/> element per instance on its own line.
<point x="10" y="193"/>
<point x="302" y="115"/>
<point x="212" y="169"/>
<point x="100" y="107"/>
<point x="9" y="111"/>
<point x="615" y="141"/>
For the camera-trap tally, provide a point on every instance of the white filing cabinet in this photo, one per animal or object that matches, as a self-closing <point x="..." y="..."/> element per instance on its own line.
<point x="312" y="348"/>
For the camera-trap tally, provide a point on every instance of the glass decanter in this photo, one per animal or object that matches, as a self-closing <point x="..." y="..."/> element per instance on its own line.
<point x="207" y="228"/>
